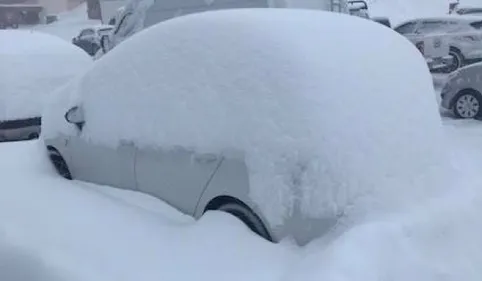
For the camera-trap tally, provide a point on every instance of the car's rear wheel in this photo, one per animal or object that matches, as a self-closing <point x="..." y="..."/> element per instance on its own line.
<point x="60" y="165"/>
<point x="468" y="105"/>
<point x="248" y="217"/>
<point x="457" y="61"/>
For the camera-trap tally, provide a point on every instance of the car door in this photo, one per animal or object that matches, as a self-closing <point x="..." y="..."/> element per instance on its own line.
<point x="101" y="164"/>
<point x="176" y="176"/>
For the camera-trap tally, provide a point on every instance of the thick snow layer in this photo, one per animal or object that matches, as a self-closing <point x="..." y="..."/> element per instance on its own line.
<point x="73" y="231"/>
<point x="56" y="230"/>
<point x="274" y="84"/>
<point x="33" y="65"/>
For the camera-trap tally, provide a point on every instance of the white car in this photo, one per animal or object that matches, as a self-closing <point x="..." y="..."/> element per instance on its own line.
<point x="33" y="65"/>
<point x="239" y="111"/>
<point x="463" y="34"/>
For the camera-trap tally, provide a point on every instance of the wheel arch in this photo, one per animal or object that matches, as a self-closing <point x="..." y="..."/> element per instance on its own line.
<point x="462" y="92"/>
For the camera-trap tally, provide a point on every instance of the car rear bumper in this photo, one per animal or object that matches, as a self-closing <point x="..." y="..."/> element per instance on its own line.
<point x="437" y="63"/>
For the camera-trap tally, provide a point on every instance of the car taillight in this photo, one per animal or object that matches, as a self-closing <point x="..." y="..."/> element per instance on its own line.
<point x="420" y="46"/>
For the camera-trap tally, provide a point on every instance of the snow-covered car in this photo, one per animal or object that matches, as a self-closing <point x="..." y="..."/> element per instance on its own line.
<point x="234" y="111"/>
<point x="89" y="38"/>
<point x="463" y="34"/>
<point x="472" y="11"/>
<point x="462" y="93"/>
<point x="33" y="65"/>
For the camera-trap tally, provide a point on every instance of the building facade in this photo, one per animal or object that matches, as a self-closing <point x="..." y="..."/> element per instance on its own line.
<point x="53" y="7"/>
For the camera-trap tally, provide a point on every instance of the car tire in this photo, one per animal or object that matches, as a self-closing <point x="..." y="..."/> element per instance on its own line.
<point x="248" y="217"/>
<point x="458" y="61"/>
<point x="468" y="105"/>
<point x="59" y="164"/>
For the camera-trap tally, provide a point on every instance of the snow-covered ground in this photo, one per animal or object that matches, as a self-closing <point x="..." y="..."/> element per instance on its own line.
<point x="68" y="25"/>
<point x="52" y="229"/>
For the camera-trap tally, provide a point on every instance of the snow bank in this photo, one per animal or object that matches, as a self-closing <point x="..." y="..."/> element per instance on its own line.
<point x="32" y="66"/>
<point x="276" y="85"/>
<point x="19" y="264"/>
<point x="75" y="230"/>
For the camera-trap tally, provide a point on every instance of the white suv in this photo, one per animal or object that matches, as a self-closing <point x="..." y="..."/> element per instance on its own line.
<point x="462" y="33"/>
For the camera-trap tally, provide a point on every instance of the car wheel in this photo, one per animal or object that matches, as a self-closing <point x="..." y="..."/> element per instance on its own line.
<point x="457" y="61"/>
<point x="467" y="105"/>
<point x="60" y="165"/>
<point x="248" y="217"/>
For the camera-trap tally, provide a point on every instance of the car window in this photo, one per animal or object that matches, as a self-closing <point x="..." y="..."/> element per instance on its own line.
<point x="477" y="25"/>
<point x="456" y="26"/>
<point x="432" y="26"/>
<point x="406" y="28"/>
<point x="87" y="32"/>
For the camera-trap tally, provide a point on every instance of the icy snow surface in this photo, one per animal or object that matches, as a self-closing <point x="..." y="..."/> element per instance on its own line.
<point x="33" y="65"/>
<point x="257" y="81"/>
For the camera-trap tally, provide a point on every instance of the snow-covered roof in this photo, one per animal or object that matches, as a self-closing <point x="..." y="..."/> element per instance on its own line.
<point x="33" y="65"/>
<point x="323" y="125"/>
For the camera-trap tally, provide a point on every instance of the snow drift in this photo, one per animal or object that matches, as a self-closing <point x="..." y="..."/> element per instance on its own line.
<point x="33" y="65"/>
<point x="275" y="85"/>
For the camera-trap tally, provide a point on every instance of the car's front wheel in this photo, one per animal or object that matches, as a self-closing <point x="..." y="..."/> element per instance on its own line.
<point x="59" y="164"/>
<point x="468" y="104"/>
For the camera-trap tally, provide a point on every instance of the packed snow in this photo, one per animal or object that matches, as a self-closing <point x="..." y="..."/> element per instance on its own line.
<point x="56" y="230"/>
<point x="265" y="91"/>
<point x="33" y="65"/>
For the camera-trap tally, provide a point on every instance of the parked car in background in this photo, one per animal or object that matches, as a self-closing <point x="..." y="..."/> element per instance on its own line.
<point x="463" y="34"/>
<point x="34" y="65"/>
<point x="472" y="11"/>
<point x="360" y="8"/>
<point x="210" y="112"/>
<point x="462" y="93"/>
<point x="89" y="38"/>
<point x="137" y="15"/>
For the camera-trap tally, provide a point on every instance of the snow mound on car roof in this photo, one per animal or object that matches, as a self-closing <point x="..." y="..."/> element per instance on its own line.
<point x="333" y="113"/>
<point x="34" y="64"/>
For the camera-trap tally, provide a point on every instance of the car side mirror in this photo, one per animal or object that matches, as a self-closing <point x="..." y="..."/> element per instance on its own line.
<point x="75" y="116"/>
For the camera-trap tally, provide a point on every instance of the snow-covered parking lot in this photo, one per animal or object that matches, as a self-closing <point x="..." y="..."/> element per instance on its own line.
<point x="53" y="229"/>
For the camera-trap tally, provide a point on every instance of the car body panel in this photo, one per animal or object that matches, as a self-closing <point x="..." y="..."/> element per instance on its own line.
<point x="20" y="129"/>
<point x="469" y="77"/>
<point x="232" y="179"/>
<point x="101" y="164"/>
<point x="169" y="173"/>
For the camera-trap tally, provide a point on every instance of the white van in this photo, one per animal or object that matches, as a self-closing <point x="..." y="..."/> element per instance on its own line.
<point x="139" y="14"/>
